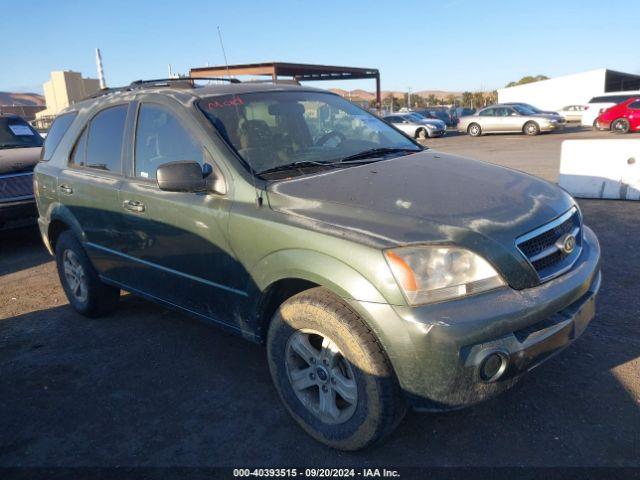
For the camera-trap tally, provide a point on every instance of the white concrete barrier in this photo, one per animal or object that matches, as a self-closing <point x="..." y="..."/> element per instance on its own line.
<point x="601" y="168"/>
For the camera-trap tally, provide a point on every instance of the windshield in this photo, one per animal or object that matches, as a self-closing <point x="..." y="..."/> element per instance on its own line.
<point x="16" y="133"/>
<point x="274" y="129"/>
<point x="522" y="110"/>
<point x="416" y="117"/>
<point x="530" y="108"/>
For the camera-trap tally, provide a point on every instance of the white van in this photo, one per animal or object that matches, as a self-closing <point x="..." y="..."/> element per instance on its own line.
<point x="599" y="104"/>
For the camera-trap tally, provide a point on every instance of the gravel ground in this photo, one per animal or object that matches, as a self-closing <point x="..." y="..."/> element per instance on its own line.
<point x="150" y="387"/>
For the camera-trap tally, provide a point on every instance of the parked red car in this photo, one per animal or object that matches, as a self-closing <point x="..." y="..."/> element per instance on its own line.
<point x="621" y="118"/>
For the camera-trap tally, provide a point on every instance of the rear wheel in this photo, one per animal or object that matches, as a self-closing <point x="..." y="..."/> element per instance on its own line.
<point x="474" y="130"/>
<point x="86" y="293"/>
<point x="331" y="372"/>
<point x="531" y="128"/>
<point x="621" y="125"/>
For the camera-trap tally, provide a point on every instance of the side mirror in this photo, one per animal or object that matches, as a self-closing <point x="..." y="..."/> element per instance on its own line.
<point x="181" y="176"/>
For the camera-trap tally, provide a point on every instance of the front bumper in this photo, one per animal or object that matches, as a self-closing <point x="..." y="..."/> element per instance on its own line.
<point x="436" y="133"/>
<point x="552" y="127"/>
<point x="437" y="350"/>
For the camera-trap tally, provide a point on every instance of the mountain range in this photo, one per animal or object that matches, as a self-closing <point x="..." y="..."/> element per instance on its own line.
<point x="21" y="99"/>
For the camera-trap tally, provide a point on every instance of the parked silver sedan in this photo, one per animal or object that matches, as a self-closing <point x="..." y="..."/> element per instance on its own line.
<point x="417" y="126"/>
<point x="509" y="118"/>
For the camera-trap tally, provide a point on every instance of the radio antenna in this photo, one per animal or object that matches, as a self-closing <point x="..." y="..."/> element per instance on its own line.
<point x="253" y="172"/>
<point x="224" y="54"/>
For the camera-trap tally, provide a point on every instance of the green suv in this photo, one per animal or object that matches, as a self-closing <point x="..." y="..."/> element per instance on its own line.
<point x="380" y="275"/>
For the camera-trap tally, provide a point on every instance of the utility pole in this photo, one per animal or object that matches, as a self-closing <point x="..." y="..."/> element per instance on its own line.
<point x="409" y="98"/>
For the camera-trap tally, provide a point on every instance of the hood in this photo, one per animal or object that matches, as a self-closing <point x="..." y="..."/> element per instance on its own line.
<point x="14" y="160"/>
<point x="547" y="115"/>
<point x="434" y="122"/>
<point x="426" y="197"/>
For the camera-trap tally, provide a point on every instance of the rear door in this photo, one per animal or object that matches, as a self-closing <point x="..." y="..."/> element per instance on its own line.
<point x="490" y="122"/>
<point x="88" y="186"/>
<point x="176" y="246"/>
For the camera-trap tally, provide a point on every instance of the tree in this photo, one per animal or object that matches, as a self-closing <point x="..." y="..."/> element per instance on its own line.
<point x="431" y="99"/>
<point x="528" y="79"/>
<point x="451" y="100"/>
<point x="478" y="100"/>
<point x="467" y="99"/>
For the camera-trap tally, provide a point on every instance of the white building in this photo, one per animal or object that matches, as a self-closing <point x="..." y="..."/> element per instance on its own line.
<point x="575" y="89"/>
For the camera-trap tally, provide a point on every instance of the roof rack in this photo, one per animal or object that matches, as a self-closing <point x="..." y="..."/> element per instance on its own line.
<point x="180" y="82"/>
<point x="163" y="82"/>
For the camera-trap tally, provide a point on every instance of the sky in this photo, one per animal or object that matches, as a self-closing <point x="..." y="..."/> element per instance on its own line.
<point x="451" y="45"/>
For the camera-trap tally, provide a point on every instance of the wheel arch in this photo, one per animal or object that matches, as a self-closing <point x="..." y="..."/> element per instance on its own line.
<point x="60" y="220"/>
<point x="298" y="270"/>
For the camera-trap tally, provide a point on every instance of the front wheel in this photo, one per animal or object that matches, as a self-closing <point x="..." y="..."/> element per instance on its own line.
<point x="331" y="372"/>
<point x="474" y="130"/>
<point x="86" y="293"/>
<point x="421" y="134"/>
<point x="621" y="125"/>
<point x="531" y="128"/>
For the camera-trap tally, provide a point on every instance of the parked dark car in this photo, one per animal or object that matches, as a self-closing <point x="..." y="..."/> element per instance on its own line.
<point x="380" y="274"/>
<point x="20" y="148"/>
<point x="532" y="108"/>
<point x="441" y="113"/>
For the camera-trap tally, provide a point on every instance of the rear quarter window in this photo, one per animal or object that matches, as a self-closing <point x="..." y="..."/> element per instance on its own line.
<point x="59" y="127"/>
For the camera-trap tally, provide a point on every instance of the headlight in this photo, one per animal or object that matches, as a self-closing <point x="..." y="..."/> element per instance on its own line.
<point x="432" y="274"/>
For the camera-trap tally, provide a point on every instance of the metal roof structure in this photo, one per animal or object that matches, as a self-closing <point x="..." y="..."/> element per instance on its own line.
<point x="298" y="71"/>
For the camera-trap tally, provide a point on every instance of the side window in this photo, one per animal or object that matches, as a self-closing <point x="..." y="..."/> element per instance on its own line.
<point x="104" y="145"/>
<point x="78" y="154"/>
<point x="161" y="138"/>
<point x="489" y="112"/>
<point x="57" y="130"/>
<point x="635" y="105"/>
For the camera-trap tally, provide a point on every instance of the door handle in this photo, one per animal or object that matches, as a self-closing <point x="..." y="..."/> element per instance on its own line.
<point x="133" y="206"/>
<point x="66" y="189"/>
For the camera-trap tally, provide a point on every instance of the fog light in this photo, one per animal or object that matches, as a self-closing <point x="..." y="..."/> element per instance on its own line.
<point x="493" y="366"/>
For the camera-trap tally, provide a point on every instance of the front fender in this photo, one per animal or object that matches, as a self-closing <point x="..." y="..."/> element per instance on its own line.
<point x="318" y="268"/>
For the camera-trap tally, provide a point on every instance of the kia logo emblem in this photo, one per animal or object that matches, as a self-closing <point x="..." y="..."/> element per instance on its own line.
<point x="566" y="243"/>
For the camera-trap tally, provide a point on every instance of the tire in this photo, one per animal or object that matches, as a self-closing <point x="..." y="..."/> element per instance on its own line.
<point x="474" y="130"/>
<point x="620" y="125"/>
<point x="421" y="134"/>
<point x="86" y="293"/>
<point x="531" y="129"/>
<point x="372" y="405"/>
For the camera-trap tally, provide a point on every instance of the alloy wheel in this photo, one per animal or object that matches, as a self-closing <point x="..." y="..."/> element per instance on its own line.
<point x="75" y="276"/>
<point x="321" y="377"/>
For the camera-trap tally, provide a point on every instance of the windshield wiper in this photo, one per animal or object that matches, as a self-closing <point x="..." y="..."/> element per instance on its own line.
<point x="294" y="165"/>
<point x="377" y="152"/>
<point x="12" y="145"/>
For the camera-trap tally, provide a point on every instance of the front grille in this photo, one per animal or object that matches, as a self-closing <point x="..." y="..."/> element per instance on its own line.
<point x="540" y="249"/>
<point x="16" y="186"/>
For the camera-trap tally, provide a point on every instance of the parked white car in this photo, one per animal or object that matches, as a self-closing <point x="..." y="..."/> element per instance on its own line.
<point x="599" y="104"/>
<point x="417" y="126"/>
<point x="572" y="113"/>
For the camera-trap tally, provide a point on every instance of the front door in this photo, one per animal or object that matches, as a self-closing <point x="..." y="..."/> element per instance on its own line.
<point x="177" y="245"/>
